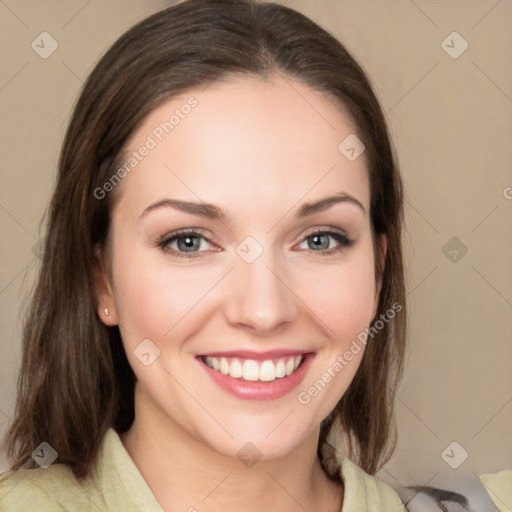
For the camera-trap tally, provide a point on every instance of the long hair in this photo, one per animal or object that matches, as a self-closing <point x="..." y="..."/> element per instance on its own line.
<point x="75" y="381"/>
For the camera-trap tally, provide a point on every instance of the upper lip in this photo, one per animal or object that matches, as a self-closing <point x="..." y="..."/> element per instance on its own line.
<point x="249" y="354"/>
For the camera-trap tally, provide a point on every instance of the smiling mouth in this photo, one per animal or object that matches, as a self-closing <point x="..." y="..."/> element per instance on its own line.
<point x="252" y="370"/>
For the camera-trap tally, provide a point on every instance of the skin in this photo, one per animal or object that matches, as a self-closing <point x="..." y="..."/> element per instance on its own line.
<point x="258" y="150"/>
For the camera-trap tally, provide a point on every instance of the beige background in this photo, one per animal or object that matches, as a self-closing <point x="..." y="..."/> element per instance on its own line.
<point x="451" y="122"/>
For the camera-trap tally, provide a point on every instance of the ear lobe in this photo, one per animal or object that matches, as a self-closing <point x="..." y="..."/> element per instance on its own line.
<point x="383" y="243"/>
<point x="106" y="308"/>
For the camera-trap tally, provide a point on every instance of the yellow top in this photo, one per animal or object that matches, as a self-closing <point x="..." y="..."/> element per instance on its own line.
<point x="499" y="488"/>
<point x="119" y="486"/>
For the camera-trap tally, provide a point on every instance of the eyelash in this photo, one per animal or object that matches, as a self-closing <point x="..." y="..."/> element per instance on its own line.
<point x="344" y="242"/>
<point x="181" y="233"/>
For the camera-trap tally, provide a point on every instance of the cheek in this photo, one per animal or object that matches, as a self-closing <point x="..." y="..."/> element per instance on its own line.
<point x="152" y="298"/>
<point x="343" y="299"/>
<point x="342" y="295"/>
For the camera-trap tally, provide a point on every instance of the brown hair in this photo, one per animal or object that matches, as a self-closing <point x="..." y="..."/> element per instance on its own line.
<point x="75" y="381"/>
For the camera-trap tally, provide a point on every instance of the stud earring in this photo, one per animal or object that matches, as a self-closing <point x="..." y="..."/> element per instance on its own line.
<point x="106" y="311"/>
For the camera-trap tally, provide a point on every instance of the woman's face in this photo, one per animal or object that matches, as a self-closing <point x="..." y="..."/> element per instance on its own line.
<point x="241" y="240"/>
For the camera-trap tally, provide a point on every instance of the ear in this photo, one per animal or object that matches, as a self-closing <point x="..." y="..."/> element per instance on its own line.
<point x="104" y="295"/>
<point x="382" y="240"/>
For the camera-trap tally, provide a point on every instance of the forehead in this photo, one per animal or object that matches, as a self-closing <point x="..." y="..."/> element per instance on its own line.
<point x="243" y="142"/>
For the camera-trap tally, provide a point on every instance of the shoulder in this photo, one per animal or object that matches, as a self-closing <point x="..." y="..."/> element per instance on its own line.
<point x="499" y="488"/>
<point x="40" y="490"/>
<point x="115" y="484"/>
<point x="363" y="492"/>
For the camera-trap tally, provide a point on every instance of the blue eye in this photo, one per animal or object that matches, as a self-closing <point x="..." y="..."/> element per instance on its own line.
<point x="326" y="242"/>
<point x="321" y="241"/>
<point x="186" y="243"/>
<point x="190" y="243"/>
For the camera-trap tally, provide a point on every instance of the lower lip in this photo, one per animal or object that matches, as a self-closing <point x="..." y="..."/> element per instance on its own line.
<point x="249" y="390"/>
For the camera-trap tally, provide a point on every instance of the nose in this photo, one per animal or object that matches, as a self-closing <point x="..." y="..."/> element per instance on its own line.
<point x="260" y="300"/>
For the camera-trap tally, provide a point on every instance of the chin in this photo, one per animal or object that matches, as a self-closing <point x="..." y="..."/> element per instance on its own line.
<point x="267" y="440"/>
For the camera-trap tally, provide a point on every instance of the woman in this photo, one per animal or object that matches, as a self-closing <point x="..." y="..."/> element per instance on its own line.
<point x="221" y="302"/>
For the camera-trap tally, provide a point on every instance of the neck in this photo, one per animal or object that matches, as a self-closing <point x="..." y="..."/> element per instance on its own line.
<point x="185" y="474"/>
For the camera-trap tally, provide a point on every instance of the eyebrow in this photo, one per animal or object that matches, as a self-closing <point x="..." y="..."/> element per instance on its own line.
<point x="203" y="209"/>
<point x="324" y="204"/>
<point x="213" y="212"/>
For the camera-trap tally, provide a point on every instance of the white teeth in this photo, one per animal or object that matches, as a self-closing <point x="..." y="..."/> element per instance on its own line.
<point x="224" y="366"/>
<point x="251" y="370"/>
<point x="289" y="366"/>
<point x="267" y="371"/>
<point x="235" y="369"/>
<point x="280" y="369"/>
